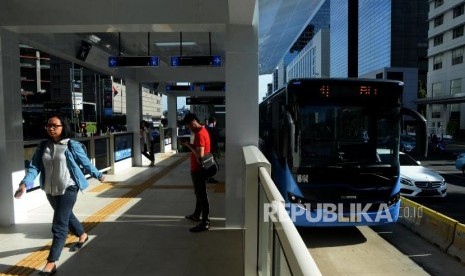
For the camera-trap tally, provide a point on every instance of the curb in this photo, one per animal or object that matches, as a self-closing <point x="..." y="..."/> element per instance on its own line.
<point x="447" y="233"/>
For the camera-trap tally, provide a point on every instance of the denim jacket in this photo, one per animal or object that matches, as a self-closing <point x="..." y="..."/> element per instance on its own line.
<point x="73" y="160"/>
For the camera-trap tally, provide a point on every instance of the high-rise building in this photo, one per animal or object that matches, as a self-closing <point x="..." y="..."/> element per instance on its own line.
<point x="319" y="20"/>
<point x="385" y="39"/>
<point x="445" y="98"/>
<point x="313" y="59"/>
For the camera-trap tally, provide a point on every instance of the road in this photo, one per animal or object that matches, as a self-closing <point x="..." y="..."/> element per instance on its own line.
<point x="364" y="250"/>
<point x="453" y="204"/>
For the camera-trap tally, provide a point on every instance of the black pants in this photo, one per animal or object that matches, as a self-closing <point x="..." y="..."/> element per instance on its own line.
<point x="202" y="206"/>
<point x="150" y="155"/>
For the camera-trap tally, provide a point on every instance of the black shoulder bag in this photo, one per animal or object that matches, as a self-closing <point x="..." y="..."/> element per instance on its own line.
<point x="209" y="165"/>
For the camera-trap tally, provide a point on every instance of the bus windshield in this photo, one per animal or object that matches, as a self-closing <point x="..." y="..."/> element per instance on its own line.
<point x="345" y="135"/>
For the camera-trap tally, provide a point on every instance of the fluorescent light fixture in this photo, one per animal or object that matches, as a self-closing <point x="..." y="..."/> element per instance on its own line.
<point x="171" y="44"/>
<point x="183" y="83"/>
<point x="94" y="38"/>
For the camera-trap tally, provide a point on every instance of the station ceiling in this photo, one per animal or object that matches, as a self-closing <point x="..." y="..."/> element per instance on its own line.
<point x="156" y="27"/>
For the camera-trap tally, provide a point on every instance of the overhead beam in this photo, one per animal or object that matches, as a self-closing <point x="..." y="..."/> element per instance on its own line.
<point x="181" y="74"/>
<point x="69" y="16"/>
<point x="242" y="12"/>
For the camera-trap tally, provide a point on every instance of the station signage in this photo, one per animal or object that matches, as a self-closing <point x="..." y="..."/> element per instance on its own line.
<point x="205" y="100"/>
<point x="214" y="61"/>
<point x="144" y="61"/>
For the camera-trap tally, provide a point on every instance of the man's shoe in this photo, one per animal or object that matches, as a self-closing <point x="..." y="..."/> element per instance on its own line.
<point x="192" y="218"/>
<point x="200" y="227"/>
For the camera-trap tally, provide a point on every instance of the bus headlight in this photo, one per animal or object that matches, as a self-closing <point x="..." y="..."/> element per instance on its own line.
<point x="394" y="199"/>
<point x="296" y="199"/>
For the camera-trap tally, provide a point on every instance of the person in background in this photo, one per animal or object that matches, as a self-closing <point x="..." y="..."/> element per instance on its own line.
<point x="148" y="150"/>
<point x="214" y="137"/>
<point x="57" y="159"/>
<point x="198" y="148"/>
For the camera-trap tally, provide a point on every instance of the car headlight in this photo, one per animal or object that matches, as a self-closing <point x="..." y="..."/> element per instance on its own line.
<point x="406" y="181"/>
<point x="443" y="183"/>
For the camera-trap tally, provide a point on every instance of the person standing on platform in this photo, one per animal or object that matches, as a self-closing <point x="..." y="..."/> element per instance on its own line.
<point x="58" y="160"/>
<point x="148" y="146"/>
<point x="198" y="148"/>
<point x="214" y="137"/>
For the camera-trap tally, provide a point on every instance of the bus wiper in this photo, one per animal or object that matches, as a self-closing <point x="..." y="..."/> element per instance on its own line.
<point x="377" y="175"/>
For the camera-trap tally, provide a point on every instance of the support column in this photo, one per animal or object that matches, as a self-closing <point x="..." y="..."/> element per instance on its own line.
<point x="173" y="120"/>
<point x="241" y="113"/>
<point x="11" y="128"/>
<point x="134" y="116"/>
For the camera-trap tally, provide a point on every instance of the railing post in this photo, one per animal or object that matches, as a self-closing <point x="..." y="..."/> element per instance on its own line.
<point x="111" y="151"/>
<point x="253" y="160"/>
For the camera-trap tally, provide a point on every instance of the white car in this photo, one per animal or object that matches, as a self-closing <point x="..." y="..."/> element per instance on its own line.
<point x="460" y="162"/>
<point x="418" y="181"/>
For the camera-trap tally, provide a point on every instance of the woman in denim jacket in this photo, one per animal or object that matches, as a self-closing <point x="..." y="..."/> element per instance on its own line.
<point x="59" y="161"/>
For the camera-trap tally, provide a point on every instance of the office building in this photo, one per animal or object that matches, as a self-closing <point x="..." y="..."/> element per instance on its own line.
<point x="445" y="99"/>
<point x="384" y="39"/>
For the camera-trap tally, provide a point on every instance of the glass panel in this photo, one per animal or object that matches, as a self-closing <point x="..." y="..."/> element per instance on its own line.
<point x="336" y="134"/>
<point x="281" y="267"/>
<point x="123" y="146"/>
<point x="265" y="228"/>
<point x="102" y="156"/>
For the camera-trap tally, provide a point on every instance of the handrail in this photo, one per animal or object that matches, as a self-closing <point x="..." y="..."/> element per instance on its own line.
<point x="270" y="233"/>
<point x="297" y="255"/>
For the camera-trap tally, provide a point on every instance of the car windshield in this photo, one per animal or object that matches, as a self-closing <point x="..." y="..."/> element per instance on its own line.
<point x="406" y="160"/>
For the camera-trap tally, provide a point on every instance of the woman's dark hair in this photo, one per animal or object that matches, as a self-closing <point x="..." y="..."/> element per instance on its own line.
<point x="66" y="131"/>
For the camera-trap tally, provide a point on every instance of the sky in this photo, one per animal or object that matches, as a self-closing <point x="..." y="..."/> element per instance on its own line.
<point x="263" y="81"/>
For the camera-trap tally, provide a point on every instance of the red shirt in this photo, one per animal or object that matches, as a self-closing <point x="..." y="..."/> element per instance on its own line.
<point x="201" y="139"/>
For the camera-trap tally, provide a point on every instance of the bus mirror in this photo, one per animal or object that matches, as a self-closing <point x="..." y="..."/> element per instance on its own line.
<point x="291" y="134"/>
<point x="420" y="130"/>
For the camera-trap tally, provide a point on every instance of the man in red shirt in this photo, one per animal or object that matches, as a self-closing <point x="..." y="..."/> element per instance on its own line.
<point x="199" y="148"/>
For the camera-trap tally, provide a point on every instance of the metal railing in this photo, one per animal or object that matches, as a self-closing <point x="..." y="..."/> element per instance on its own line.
<point x="272" y="243"/>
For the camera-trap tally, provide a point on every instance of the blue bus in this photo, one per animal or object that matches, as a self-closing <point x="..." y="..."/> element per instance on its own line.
<point x="322" y="138"/>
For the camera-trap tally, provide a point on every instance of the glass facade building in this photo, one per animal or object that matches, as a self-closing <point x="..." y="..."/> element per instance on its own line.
<point x="339" y="38"/>
<point x="374" y="35"/>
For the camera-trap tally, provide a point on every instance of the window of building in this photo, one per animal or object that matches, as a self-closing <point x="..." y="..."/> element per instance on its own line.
<point x="458" y="11"/>
<point x="436" y="111"/>
<point x="457" y="32"/>
<point x="457" y="56"/>
<point x="437" y="40"/>
<point x="438" y="20"/>
<point x="455" y="86"/>
<point x="437" y="89"/>
<point x="438" y="3"/>
<point x="437" y="62"/>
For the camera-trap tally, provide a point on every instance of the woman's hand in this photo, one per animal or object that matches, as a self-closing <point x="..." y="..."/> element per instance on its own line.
<point x="101" y="179"/>
<point x="20" y="191"/>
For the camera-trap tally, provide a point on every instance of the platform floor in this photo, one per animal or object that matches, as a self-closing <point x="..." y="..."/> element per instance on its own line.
<point x="135" y="221"/>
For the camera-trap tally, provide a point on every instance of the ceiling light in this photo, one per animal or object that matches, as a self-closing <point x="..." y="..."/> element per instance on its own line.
<point x="94" y="38"/>
<point x="171" y="44"/>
